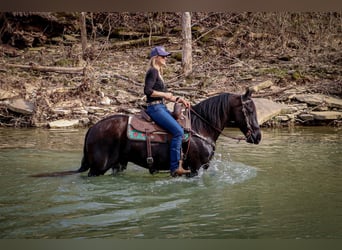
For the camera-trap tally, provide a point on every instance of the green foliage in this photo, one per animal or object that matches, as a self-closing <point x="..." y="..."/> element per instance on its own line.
<point x="177" y="56"/>
<point x="275" y="72"/>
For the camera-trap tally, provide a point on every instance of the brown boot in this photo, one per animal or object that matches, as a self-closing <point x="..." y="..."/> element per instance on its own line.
<point x="180" y="170"/>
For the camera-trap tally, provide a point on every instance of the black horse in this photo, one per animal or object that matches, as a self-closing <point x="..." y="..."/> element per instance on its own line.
<point x="106" y="145"/>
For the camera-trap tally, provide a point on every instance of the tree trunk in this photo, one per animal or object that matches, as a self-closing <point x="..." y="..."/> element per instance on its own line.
<point x="187" y="47"/>
<point x="83" y="34"/>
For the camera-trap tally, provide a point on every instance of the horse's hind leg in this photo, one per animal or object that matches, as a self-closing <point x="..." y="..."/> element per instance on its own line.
<point x="99" y="165"/>
<point x="105" y="162"/>
<point x="119" y="167"/>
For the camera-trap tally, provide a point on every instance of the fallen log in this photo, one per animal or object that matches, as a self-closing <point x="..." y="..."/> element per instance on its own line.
<point x="36" y="67"/>
<point x="140" y="42"/>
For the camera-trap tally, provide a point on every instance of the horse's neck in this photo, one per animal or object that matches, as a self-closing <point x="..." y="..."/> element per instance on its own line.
<point x="215" y="113"/>
<point x="207" y="127"/>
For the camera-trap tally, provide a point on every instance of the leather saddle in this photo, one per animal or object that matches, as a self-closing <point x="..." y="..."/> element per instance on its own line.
<point x="141" y="125"/>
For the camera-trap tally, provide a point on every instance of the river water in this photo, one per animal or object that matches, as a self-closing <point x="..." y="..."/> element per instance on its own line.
<point x="287" y="187"/>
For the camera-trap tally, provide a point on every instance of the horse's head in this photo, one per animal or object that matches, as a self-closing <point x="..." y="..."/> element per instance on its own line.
<point x="245" y="117"/>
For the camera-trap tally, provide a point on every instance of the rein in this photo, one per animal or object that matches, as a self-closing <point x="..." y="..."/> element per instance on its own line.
<point x="216" y="129"/>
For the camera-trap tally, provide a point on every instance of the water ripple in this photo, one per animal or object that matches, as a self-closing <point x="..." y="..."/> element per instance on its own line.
<point x="122" y="215"/>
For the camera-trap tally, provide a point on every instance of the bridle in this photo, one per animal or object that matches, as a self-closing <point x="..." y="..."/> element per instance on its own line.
<point x="248" y="123"/>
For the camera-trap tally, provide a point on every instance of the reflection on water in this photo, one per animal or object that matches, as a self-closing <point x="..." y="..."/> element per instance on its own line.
<point x="289" y="186"/>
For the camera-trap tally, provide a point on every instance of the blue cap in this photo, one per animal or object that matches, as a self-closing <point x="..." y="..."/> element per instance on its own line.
<point x="159" y="51"/>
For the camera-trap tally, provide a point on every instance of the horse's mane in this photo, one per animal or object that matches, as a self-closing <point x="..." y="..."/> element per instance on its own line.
<point x="214" y="110"/>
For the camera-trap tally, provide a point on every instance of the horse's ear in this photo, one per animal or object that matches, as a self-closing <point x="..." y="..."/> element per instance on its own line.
<point x="249" y="92"/>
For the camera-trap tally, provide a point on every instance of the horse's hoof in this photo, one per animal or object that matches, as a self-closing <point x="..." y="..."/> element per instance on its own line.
<point x="192" y="174"/>
<point x="153" y="171"/>
<point x="115" y="171"/>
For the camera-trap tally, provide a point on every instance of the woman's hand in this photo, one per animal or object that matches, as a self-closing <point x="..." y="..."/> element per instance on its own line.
<point x="185" y="102"/>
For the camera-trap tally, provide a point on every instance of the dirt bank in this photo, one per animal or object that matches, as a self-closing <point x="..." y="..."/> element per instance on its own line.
<point x="229" y="53"/>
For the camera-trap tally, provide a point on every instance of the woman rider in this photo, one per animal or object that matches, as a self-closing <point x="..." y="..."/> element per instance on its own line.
<point x="156" y="93"/>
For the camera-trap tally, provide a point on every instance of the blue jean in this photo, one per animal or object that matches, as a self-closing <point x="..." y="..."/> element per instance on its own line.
<point x="162" y="116"/>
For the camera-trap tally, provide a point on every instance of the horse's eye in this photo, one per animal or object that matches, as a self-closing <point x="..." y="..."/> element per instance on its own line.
<point x="249" y="108"/>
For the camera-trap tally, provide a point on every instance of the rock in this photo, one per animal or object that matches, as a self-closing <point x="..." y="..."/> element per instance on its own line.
<point x="21" y="106"/>
<point x="68" y="104"/>
<point x="132" y="110"/>
<point x="94" y="110"/>
<point x="310" y="99"/>
<point x="300" y="106"/>
<point x="63" y="123"/>
<point x="326" y="115"/>
<point x="30" y="88"/>
<point x="289" y="110"/>
<point x="84" y="121"/>
<point x="60" y="111"/>
<point x="317" y="99"/>
<point x="105" y="101"/>
<point x="291" y="117"/>
<point x="282" y="118"/>
<point x="306" y="117"/>
<point x="4" y="94"/>
<point x="267" y="109"/>
<point x="322" y="108"/>
<point x="69" y="107"/>
<point x="123" y="97"/>
<point x="81" y="112"/>
<point x="333" y="102"/>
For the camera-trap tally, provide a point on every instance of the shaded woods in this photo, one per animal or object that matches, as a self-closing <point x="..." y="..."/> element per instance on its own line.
<point x="299" y="52"/>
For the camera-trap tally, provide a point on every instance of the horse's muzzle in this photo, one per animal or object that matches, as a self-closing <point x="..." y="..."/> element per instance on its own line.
<point x="253" y="137"/>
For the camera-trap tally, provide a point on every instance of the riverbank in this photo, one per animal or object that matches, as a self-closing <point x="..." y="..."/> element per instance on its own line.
<point x="45" y="83"/>
<point x="30" y="97"/>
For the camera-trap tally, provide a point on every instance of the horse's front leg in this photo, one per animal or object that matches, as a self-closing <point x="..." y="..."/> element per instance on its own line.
<point x="194" y="164"/>
<point x="199" y="156"/>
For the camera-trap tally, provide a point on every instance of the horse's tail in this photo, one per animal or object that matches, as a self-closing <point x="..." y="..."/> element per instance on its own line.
<point x="56" y="174"/>
<point x="84" y="166"/>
